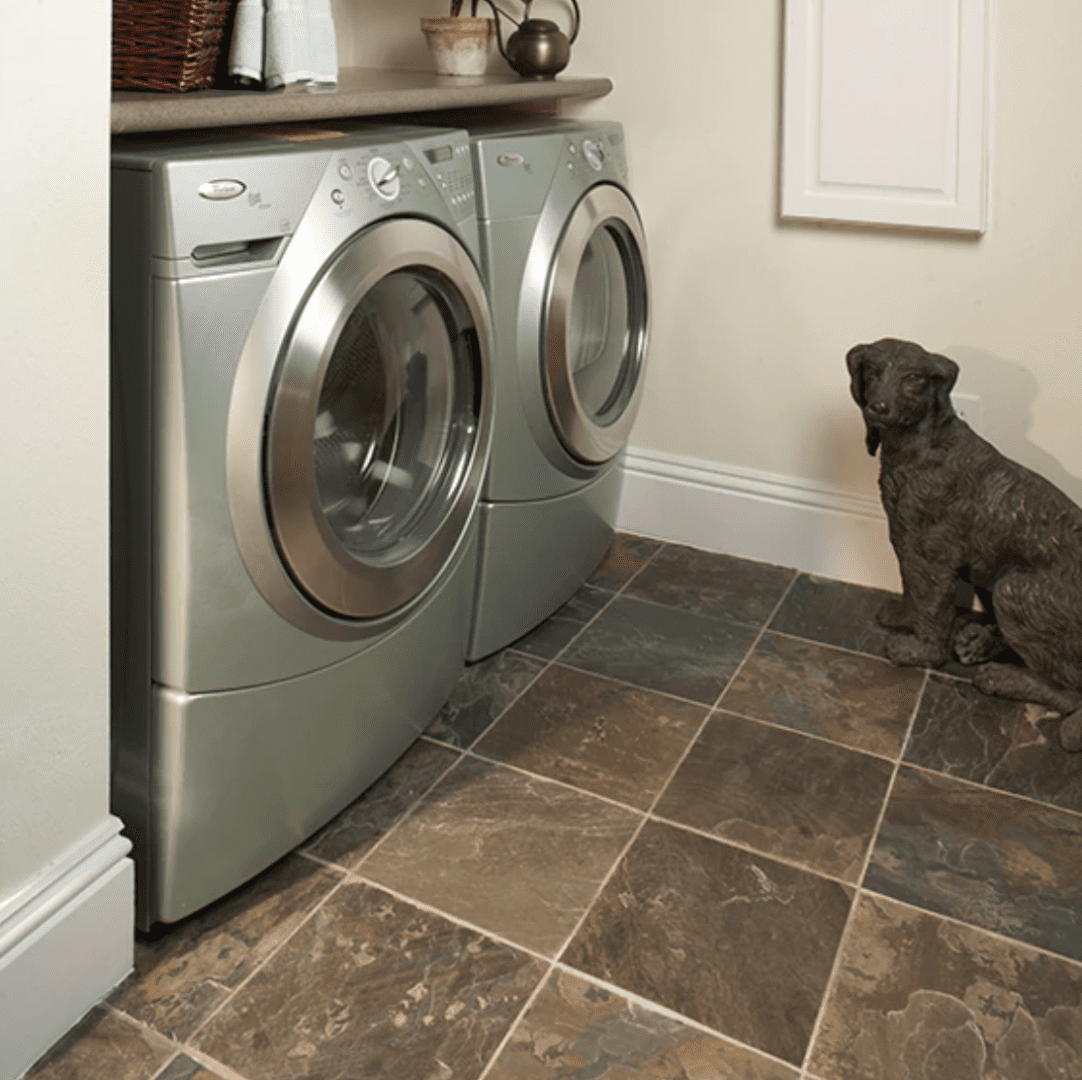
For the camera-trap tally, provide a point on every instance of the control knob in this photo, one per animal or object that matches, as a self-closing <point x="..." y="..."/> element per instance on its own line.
<point x="384" y="178"/>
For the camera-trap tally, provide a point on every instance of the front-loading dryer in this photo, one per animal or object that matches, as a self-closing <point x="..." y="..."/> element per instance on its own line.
<point x="302" y="417"/>
<point x="564" y="256"/>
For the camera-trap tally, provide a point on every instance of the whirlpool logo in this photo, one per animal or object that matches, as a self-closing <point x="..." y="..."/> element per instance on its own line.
<point x="219" y="190"/>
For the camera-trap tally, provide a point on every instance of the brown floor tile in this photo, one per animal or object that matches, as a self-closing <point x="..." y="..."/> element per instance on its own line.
<point x="626" y="557"/>
<point x="1003" y="744"/>
<point x="184" y="972"/>
<point x="482" y="694"/>
<point x="517" y="856"/>
<point x="780" y="793"/>
<point x="860" y="701"/>
<point x="664" y="649"/>
<point x="991" y="860"/>
<point x="833" y="613"/>
<point x="355" y="831"/>
<point x="732" y="940"/>
<point x="372" y="988"/>
<point x="575" y="1030"/>
<point x="104" y="1046"/>
<point x="918" y="997"/>
<point x="712" y="584"/>
<point x="563" y="626"/>
<point x="599" y="735"/>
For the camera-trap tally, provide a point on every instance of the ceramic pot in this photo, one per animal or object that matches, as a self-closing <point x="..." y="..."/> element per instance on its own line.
<point x="460" y="45"/>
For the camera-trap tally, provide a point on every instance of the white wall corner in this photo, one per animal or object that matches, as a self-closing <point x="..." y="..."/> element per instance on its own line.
<point x="66" y="940"/>
<point x="885" y="112"/>
<point x="776" y="519"/>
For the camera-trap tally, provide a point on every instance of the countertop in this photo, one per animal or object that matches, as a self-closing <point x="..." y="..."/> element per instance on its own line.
<point x="360" y="92"/>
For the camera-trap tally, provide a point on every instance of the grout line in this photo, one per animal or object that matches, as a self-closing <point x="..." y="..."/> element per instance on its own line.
<point x="304" y="849"/>
<point x="981" y="785"/>
<point x="168" y="1063"/>
<point x="519" y="1017"/>
<point x="813" y="735"/>
<point x="758" y="637"/>
<point x="653" y="816"/>
<point x="545" y="665"/>
<point x="848" y="651"/>
<point x="566" y="785"/>
<point x="647" y="816"/>
<point x="835" y="968"/>
<point x="214" y="1065"/>
<point x="410" y="810"/>
<point x="670" y="1013"/>
<point x="266" y="960"/>
<point x="757" y="852"/>
<point x="568" y="665"/>
<point x="955" y="921"/>
<point x="355" y="878"/>
<point x="223" y="1070"/>
<point x="614" y="593"/>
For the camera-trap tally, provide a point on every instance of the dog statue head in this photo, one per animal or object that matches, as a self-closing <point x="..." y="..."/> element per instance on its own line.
<point x="899" y="386"/>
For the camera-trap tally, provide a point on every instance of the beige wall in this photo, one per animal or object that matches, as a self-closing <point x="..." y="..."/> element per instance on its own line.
<point x="752" y="317"/>
<point x="54" y="415"/>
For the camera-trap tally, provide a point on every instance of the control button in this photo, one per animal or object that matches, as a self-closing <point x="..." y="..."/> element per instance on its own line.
<point x="407" y="163"/>
<point x="338" y="197"/>
<point x="345" y="171"/>
<point x="572" y="148"/>
<point x="509" y="159"/>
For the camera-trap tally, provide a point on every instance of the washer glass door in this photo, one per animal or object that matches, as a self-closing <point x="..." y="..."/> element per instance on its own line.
<point x="374" y="431"/>
<point x="596" y="326"/>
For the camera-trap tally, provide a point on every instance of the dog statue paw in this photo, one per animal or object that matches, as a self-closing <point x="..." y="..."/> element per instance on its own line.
<point x="977" y="643"/>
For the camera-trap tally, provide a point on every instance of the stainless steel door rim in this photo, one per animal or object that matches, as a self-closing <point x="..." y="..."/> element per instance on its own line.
<point x="296" y="559"/>
<point x="596" y="432"/>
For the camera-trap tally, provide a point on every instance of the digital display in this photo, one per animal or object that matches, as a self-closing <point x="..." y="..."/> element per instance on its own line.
<point x="440" y="153"/>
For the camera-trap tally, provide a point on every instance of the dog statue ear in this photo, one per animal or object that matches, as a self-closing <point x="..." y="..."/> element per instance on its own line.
<point x="854" y="360"/>
<point x="945" y="373"/>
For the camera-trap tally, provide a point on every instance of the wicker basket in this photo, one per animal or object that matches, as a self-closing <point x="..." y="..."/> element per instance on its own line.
<point x="167" y="45"/>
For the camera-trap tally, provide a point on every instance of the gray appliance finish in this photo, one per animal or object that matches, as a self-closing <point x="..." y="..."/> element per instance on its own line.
<point x="564" y="257"/>
<point x="302" y="415"/>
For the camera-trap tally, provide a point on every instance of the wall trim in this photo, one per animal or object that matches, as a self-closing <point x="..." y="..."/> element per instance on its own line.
<point x="784" y="520"/>
<point x="66" y="939"/>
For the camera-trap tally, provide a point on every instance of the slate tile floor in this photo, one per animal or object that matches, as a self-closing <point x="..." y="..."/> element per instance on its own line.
<point x="692" y="828"/>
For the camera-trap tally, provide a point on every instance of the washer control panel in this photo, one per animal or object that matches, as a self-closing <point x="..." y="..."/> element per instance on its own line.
<point x="418" y="169"/>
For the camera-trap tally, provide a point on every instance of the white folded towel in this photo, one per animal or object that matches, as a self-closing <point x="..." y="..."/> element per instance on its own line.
<point x="278" y="42"/>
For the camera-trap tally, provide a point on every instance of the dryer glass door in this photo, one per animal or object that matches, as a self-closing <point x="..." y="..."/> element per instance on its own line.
<point x="376" y="425"/>
<point x="596" y="326"/>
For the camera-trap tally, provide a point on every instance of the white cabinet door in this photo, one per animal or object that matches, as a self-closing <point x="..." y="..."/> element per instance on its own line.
<point x="885" y="112"/>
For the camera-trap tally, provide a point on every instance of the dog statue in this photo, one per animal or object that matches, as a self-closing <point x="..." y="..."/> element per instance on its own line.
<point x="958" y="509"/>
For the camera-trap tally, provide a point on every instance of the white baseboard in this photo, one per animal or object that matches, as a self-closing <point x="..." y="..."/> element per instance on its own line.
<point x="66" y="939"/>
<point x="775" y="519"/>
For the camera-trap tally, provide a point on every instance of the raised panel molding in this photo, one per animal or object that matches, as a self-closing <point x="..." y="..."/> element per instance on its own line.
<point x="885" y="112"/>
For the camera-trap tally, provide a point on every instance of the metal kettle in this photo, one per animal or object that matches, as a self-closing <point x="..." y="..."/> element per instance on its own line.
<point x="538" y="49"/>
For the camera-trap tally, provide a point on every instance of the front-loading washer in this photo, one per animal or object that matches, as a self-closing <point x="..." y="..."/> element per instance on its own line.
<point x="564" y="257"/>
<point x="302" y="417"/>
